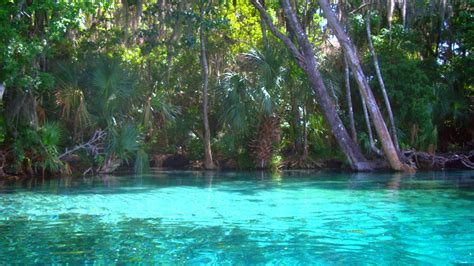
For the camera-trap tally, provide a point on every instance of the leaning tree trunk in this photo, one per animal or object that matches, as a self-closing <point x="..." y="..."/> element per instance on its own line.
<point x="306" y="61"/>
<point x="208" y="163"/>
<point x="388" y="147"/>
<point x="382" y="85"/>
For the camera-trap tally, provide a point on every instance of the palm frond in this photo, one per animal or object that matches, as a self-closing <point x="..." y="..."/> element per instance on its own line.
<point x="160" y="104"/>
<point x="51" y="134"/>
<point x="124" y="142"/>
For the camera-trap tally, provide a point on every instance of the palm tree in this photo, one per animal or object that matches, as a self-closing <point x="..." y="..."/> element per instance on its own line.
<point x="70" y="96"/>
<point x="106" y="96"/>
<point x="250" y="94"/>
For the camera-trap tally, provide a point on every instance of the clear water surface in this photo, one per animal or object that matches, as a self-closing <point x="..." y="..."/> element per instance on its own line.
<point x="245" y="218"/>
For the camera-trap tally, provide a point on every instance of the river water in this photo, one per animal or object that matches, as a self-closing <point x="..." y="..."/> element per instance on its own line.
<point x="246" y="218"/>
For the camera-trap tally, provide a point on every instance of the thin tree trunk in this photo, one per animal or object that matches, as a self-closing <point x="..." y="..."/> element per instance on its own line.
<point x="369" y="128"/>
<point x="389" y="149"/>
<point x="404" y="13"/>
<point x="306" y="61"/>
<point x="382" y="86"/>
<point x="208" y="163"/>
<point x="305" y="132"/>
<point x="263" y="28"/>
<point x="296" y="124"/>
<point x="339" y="4"/>
<point x="349" y="102"/>
<point x="333" y="92"/>
<point x="391" y="7"/>
<point x="264" y="33"/>
<point x="378" y="7"/>
<point x="170" y="42"/>
<point x="126" y="22"/>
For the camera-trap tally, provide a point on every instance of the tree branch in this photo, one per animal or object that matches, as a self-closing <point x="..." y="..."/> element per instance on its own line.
<point x="360" y="7"/>
<point x="291" y="46"/>
<point x="295" y="25"/>
<point x="91" y="145"/>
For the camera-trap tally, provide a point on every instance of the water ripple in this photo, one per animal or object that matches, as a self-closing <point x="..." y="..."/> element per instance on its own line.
<point x="193" y="218"/>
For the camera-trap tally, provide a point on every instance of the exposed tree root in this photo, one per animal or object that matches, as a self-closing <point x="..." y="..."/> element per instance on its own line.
<point x="424" y="160"/>
<point x="302" y="162"/>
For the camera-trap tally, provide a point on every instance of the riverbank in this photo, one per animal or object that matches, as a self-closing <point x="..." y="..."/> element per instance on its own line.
<point x="179" y="161"/>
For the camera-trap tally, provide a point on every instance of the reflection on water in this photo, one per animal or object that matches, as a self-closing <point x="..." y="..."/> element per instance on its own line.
<point x="240" y="217"/>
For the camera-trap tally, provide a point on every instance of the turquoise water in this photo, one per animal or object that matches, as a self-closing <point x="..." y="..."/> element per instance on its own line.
<point x="241" y="218"/>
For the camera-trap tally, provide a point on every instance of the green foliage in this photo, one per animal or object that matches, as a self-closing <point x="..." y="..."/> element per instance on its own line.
<point x="276" y="163"/>
<point x="38" y="149"/>
<point x="245" y="159"/>
<point x="320" y="137"/>
<point x="364" y="142"/>
<point x="134" y="71"/>
<point x="225" y="145"/>
<point x="51" y="134"/>
<point x="161" y="104"/>
<point x="123" y="141"/>
<point x="195" y="149"/>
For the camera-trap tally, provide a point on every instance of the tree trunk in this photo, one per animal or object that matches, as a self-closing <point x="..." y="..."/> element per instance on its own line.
<point x="391" y="7"/>
<point x="263" y="28"/>
<point x="389" y="149"/>
<point x="349" y="102"/>
<point x="268" y="135"/>
<point x="404" y="13"/>
<point x="347" y="145"/>
<point x="334" y="96"/>
<point x="382" y="86"/>
<point x="305" y="132"/>
<point x="264" y="33"/>
<point x="171" y="41"/>
<point x="208" y="163"/>
<point x="369" y="129"/>
<point x="306" y="60"/>
<point x="296" y="125"/>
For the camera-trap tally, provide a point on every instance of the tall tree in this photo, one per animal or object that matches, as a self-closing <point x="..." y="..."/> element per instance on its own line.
<point x="350" y="110"/>
<point x="382" y="84"/>
<point x="306" y="60"/>
<point x="350" y="52"/>
<point x="208" y="162"/>
<point x="373" y="148"/>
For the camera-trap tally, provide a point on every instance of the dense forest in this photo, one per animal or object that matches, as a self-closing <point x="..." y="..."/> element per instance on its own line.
<point x="91" y="86"/>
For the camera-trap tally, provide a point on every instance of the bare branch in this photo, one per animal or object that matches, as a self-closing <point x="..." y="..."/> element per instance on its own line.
<point x="91" y="145"/>
<point x="360" y="7"/>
